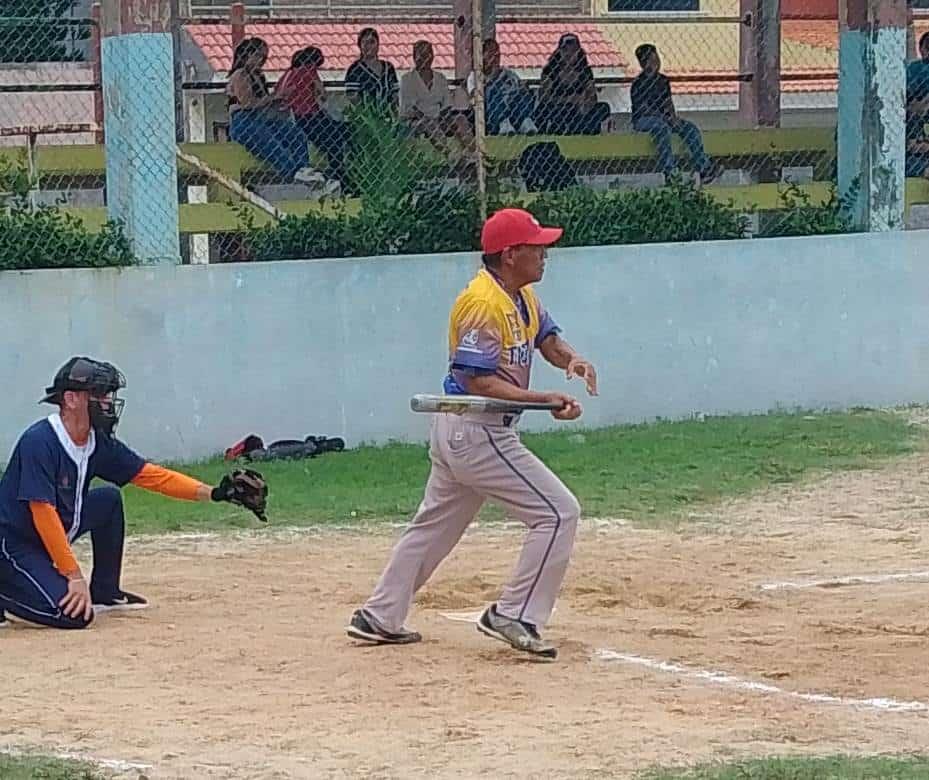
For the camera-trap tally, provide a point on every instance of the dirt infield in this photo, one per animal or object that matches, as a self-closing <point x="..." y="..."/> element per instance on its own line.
<point x="242" y="668"/>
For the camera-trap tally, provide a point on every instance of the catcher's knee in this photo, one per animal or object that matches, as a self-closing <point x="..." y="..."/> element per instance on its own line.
<point x="78" y="623"/>
<point x="60" y="620"/>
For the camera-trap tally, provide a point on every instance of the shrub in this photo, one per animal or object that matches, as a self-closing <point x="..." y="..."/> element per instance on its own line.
<point x="46" y="237"/>
<point x="800" y="217"/>
<point x="678" y="212"/>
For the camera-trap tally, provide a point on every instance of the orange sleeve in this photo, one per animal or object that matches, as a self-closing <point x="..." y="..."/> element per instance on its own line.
<point x="168" y="483"/>
<point x="47" y="523"/>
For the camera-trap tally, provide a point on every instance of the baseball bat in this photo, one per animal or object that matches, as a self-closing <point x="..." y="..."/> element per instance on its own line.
<point x="459" y="404"/>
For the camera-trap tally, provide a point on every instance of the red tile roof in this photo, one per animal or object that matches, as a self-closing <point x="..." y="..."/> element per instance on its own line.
<point x="823" y="34"/>
<point x="522" y="44"/>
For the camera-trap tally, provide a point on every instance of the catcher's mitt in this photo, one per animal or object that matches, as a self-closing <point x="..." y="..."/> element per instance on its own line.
<point x="245" y="487"/>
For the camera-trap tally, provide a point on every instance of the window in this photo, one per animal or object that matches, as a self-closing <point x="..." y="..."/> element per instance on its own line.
<point x="655" y="5"/>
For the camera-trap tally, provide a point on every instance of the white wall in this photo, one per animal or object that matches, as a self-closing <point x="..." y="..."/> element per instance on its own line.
<point x="337" y="347"/>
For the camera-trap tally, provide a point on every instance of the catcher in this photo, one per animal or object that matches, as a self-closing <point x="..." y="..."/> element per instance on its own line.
<point x="46" y="502"/>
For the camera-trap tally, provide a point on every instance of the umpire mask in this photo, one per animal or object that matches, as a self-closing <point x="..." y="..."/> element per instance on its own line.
<point x="104" y="412"/>
<point x="102" y="381"/>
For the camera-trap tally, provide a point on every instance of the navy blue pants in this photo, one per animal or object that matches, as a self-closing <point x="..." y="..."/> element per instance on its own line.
<point x="30" y="585"/>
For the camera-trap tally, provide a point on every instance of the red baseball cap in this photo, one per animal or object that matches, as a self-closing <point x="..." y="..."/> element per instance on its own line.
<point x="512" y="227"/>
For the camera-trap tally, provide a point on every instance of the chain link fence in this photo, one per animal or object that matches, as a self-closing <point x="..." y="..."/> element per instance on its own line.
<point x="639" y="121"/>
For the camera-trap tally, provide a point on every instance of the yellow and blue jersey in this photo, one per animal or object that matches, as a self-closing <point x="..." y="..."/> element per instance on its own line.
<point x="491" y="333"/>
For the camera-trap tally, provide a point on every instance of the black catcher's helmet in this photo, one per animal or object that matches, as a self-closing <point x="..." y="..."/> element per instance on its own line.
<point x="102" y="380"/>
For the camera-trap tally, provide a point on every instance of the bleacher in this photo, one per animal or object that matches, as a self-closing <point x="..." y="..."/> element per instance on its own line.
<point x="755" y="151"/>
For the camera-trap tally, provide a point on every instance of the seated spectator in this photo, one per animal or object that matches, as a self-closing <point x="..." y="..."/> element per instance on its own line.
<point x="917" y="112"/>
<point x="260" y="121"/>
<point x="426" y="101"/>
<point x="567" y="95"/>
<point x="370" y="79"/>
<point x="303" y="91"/>
<point x="508" y="103"/>
<point x="653" y="112"/>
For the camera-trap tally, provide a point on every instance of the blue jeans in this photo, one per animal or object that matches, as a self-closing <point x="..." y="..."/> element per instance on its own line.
<point x="277" y="141"/>
<point x="660" y="131"/>
<point x="30" y="585"/>
<point x="497" y="108"/>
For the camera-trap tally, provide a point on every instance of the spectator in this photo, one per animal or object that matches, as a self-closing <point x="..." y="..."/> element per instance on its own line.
<point x="506" y="99"/>
<point x="917" y="112"/>
<point x="653" y="112"/>
<point x="369" y="78"/>
<point x="568" y="96"/>
<point x="426" y="101"/>
<point x="304" y="92"/>
<point x="259" y="120"/>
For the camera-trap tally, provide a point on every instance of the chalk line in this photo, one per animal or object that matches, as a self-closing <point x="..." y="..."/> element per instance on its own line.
<point x="106" y="763"/>
<point x="472" y="616"/>
<point x="835" y="582"/>
<point x="731" y="681"/>
<point x="463" y="617"/>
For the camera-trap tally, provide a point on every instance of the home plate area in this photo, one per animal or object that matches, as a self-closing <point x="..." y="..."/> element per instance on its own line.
<point x="674" y="648"/>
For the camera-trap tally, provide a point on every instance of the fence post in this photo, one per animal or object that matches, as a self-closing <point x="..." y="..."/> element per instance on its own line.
<point x="872" y="112"/>
<point x="463" y="12"/>
<point x="141" y="148"/>
<point x="477" y="56"/>
<point x="96" y="37"/>
<point x="463" y="31"/>
<point x="768" y="71"/>
<point x="760" y="55"/>
<point x="237" y="23"/>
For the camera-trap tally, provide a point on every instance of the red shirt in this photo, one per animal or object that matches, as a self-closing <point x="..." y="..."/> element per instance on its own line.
<point x="300" y="83"/>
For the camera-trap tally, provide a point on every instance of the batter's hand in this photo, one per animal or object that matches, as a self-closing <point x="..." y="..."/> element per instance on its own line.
<point x="570" y="409"/>
<point x="584" y="369"/>
<point x="77" y="599"/>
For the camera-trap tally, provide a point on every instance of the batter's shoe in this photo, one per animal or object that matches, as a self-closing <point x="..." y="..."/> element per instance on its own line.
<point x="522" y="636"/>
<point x="363" y="628"/>
<point x="4" y="623"/>
<point x="120" y="602"/>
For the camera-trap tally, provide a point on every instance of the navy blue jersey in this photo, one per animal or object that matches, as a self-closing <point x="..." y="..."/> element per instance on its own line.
<point x="47" y="466"/>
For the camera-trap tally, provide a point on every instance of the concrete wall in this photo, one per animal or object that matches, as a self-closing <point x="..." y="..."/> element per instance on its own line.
<point x="337" y="347"/>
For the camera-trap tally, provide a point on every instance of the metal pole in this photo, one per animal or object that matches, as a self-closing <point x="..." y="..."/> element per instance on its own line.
<point x="477" y="60"/>
<point x="175" y="30"/>
<point x="748" y="63"/>
<point x="237" y="24"/>
<point x="95" y="37"/>
<point x="768" y="71"/>
<point x="463" y="43"/>
<point x="31" y="140"/>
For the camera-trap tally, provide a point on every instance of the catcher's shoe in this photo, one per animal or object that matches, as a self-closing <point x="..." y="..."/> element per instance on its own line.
<point x="522" y="636"/>
<point x="3" y="621"/>
<point x="119" y="602"/>
<point x="362" y="627"/>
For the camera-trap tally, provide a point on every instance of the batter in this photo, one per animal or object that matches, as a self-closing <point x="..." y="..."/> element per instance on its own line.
<point x="495" y="327"/>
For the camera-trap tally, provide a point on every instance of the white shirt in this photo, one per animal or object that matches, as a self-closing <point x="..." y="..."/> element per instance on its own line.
<point x="80" y="455"/>
<point x="415" y="94"/>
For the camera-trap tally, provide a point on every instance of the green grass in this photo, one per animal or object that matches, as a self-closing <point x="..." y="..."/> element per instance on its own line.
<point x="650" y="473"/>
<point x="826" y="768"/>
<point x="41" y="768"/>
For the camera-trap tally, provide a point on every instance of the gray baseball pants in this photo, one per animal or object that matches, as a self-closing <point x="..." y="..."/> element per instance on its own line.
<point x="474" y="458"/>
